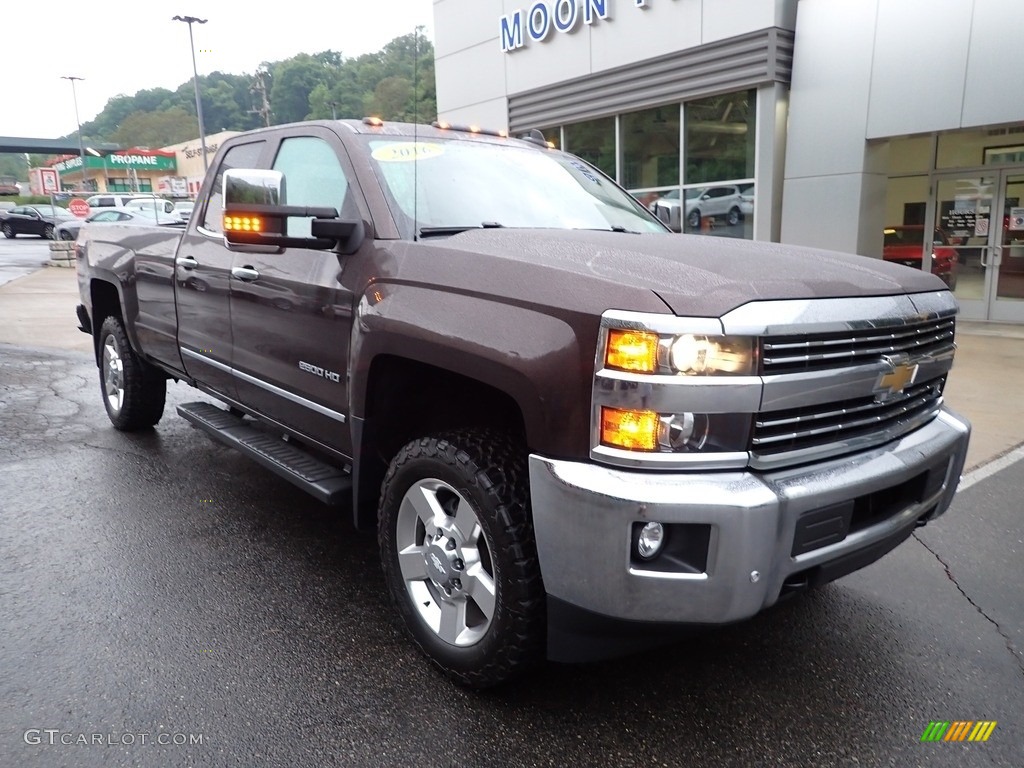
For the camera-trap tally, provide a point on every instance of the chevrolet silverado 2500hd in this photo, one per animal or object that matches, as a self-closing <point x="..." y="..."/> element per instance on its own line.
<point x="571" y="428"/>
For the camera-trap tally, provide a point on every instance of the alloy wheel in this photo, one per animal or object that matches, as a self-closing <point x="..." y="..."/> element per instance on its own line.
<point x="445" y="562"/>
<point x="113" y="375"/>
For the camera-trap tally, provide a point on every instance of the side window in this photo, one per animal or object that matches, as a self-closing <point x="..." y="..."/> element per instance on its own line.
<point x="239" y="156"/>
<point x="107" y="216"/>
<point x="313" y="176"/>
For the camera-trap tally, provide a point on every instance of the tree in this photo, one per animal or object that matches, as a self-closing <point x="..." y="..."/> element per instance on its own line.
<point x="14" y="165"/>
<point x="156" y="129"/>
<point x="293" y="81"/>
<point x="395" y="83"/>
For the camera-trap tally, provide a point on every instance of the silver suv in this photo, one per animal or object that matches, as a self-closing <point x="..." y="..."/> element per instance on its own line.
<point x="719" y="202"/>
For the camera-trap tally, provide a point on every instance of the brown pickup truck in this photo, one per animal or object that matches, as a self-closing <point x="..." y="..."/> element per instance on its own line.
<point x="574" y="431"/>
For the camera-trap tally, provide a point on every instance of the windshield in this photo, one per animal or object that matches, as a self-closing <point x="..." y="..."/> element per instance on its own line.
<point x="456" y="184"/>
<point x="54" y="211"/>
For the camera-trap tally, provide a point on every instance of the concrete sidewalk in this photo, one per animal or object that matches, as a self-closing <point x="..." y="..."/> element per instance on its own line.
<point x="986" y="386"/>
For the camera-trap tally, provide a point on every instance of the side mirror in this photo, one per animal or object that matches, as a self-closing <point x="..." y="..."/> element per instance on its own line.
<point x="254" y="215"/>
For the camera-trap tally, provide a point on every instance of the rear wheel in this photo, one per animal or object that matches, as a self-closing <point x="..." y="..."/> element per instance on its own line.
<point x="459" y="556"/>
<point x="65" y="235"/>
<point x="133" y="391"/>
<point x="9" y="232"/>
<point x="734" y="216"/>
<point x="48" y="232"/>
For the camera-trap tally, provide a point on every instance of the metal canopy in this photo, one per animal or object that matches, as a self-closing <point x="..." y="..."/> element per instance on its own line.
<point x="10" y="144"/>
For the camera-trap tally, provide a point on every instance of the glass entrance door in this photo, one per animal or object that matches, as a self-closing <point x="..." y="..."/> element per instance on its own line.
<point x="978" y="245"/>
<point x="1008" y="251"/>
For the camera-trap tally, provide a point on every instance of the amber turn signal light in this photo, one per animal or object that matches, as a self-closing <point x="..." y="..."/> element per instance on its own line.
<point x="632" y="430"/>
<point x="632" y="351"/>
<point x="243" y="223"/>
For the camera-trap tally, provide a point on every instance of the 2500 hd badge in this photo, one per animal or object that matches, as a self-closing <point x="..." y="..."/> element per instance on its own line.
<point x="316" y="370"/>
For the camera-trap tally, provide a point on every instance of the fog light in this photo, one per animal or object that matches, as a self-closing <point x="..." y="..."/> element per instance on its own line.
<point x="649" y="542"/>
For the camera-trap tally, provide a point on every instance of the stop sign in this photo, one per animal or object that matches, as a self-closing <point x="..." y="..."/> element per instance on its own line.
<point x="79" y="207"/>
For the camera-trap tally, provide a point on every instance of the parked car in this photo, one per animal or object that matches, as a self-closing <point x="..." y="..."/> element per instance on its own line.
<point x="570" y="429"/>
<point x="109" y="200"/>
<point x="38" y="220"/>
<point x="747" y="200"/>
<point x="904" y="244"/>
<point x="184" y="208"/>
<point x="141" y="218"/>
<point x="153" y="204"/>
<point x="9" y="186"/>
<point x="719" y="202"/>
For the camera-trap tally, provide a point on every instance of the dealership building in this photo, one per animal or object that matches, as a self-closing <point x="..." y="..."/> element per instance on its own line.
<point x="890" y="128"/>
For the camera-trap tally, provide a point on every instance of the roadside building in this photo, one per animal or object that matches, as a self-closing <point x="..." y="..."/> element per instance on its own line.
<point x="189" y="160"/>
<point x="825" y="123"/>
<point x="126" y="170"/>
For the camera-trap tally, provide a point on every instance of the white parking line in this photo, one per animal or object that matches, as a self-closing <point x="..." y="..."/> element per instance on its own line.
<point x="987" y="470"/>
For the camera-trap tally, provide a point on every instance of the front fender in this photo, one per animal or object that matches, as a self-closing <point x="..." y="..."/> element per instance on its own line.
<point x="542" y="358"/>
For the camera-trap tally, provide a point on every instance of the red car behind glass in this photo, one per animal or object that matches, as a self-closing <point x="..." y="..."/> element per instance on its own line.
<point x="904" y="244"/>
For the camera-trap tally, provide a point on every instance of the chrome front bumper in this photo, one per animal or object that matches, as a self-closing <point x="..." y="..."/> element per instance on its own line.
<point x="584" y="513"/>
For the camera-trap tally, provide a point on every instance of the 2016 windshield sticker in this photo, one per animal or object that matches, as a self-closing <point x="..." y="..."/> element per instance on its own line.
<point x="406" y="151"/>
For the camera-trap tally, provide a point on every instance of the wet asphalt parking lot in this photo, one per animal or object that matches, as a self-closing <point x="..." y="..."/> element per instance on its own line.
<point x="170" y="603"/>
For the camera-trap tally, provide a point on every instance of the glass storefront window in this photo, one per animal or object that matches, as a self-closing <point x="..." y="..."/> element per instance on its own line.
<point x="912" y="154"/>
<point x="594" y="141"/>
<point x="968" y="149"/>
<point x="650" y="148"/>
<point x="720" y="137"/>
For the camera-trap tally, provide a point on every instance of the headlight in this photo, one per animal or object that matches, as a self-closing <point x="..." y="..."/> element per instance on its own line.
<point x="708" y="355"/>
<point x="687" y="354"/>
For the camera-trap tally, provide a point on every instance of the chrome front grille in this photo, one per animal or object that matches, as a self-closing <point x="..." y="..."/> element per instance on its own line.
<point x="823" y="351"/>
<point x="848" y="424"/>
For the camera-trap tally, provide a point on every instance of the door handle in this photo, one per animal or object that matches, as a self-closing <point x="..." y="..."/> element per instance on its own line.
<point x="245" y="274"/>
<point x="187" y="263"/>
<point x="995" y="258"/>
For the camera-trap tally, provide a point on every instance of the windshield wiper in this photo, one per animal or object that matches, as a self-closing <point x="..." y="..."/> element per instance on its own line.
<point x="442" y="231"/>
<point x="611" y="228"/>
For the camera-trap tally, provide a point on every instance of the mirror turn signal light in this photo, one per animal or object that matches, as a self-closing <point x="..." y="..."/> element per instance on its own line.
<point x="243" y="223"/>
<point x="632" y="430"/>
<point x="635" y="351"/>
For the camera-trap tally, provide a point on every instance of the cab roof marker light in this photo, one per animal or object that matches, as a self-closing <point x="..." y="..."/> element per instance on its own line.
<point x="376" y="122"/>
<point x="468" y="129"/>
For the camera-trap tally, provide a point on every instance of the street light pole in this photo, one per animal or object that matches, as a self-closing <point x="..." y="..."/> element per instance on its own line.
<point x="81" y="149"/>
<point x="190" y="20"/>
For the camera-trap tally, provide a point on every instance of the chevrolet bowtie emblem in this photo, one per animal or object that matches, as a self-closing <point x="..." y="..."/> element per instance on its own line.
<point x="900" y="375"/>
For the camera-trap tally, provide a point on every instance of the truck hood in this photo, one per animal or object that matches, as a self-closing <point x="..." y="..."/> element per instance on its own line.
<point x="697" y="275"/>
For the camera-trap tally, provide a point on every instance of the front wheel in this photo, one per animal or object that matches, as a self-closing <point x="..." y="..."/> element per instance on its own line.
<point x="459" y="556"/>
<point x="133" y="391"/>
<point x="693" y="219"/>
<point x="65" y="235"/>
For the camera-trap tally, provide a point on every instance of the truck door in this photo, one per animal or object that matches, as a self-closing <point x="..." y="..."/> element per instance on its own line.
<point x="291" y="314"/>
<point x="201" y="273"/>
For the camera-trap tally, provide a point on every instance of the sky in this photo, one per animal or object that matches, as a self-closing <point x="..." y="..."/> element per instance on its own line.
<point x="122" y="48"/>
